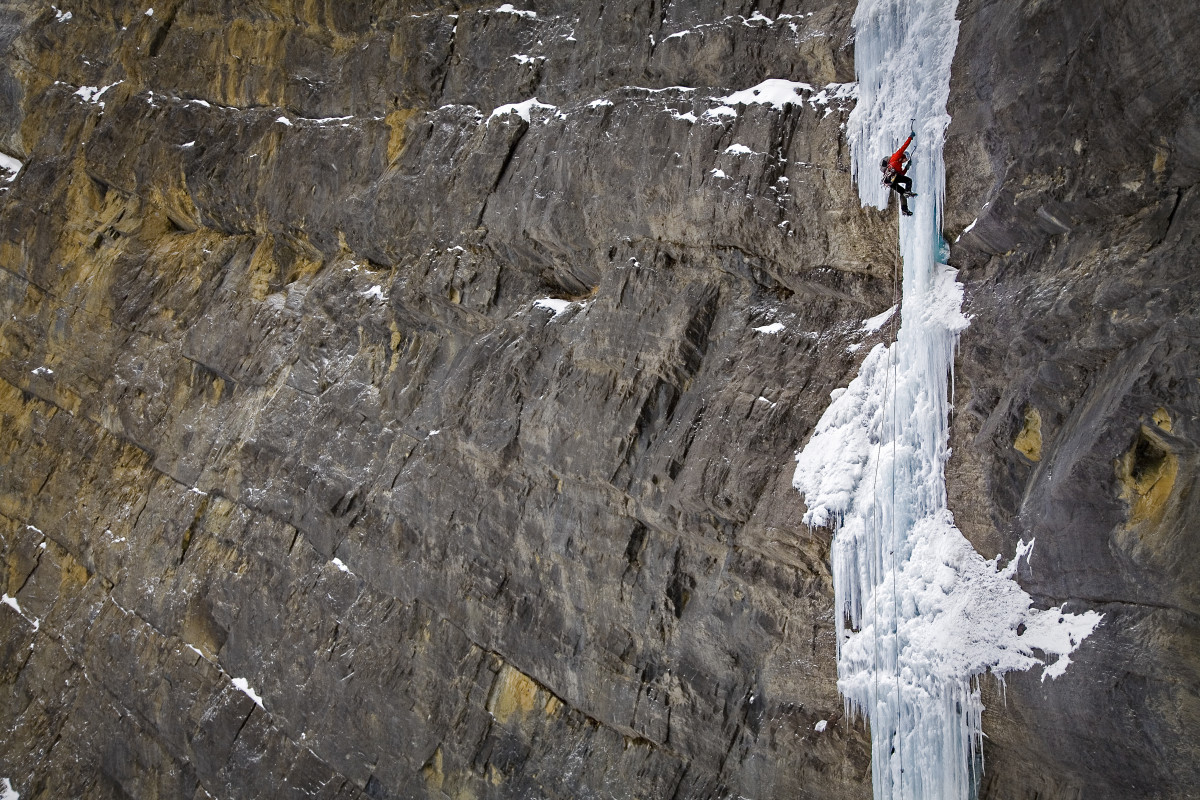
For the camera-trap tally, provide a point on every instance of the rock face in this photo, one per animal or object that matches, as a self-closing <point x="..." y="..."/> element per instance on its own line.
<point x="280" y="407"/>
<point x="1076" y="145"/>
<point x="365" y="434"/>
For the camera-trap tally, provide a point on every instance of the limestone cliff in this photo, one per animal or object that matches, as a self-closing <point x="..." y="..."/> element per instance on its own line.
<point x="1075" y="149"/>
<point x="304" y="492"/>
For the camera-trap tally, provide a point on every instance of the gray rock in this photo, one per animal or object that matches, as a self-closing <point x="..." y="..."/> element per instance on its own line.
<point x="303" y="428"/>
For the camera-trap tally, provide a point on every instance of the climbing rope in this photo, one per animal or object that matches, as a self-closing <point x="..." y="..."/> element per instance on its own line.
<point x="890" y="385"/>
<point x="895" y="594"/>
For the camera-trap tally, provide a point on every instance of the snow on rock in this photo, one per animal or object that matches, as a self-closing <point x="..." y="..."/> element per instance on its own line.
<point x="522" y="109"/>
<point x="374" y="293"/>
<point x="41" y="371"/>
<point x="648" y="90"/>
<point x="755" y="20"/>
<point x="920" y="614"/>
<point x="774" y="327"/>
<point x="243" y="686"/>
<point x="337" y="562"/>
<point x="774" y="92"/>
<point x="12" y="603"/>
<point x="820" y="726"/>
<point x="777" y="93"/>
<point x="508" y="8"/>
<point x="61" y="16"/>
<point x="720" y="111"/>
<point x="967" y="229"/>
<point x="554" y="305"/>
<point x="719" y="173"/>
<point x="284" y="121"/>
<point x="738" y="150"/>
<point x="7" y="792"/>
<point x="10" y="165"/>
<point x="92" y="94"/>
<point x="838" y="93"/>
<point x="599" y="102"/>
<point x="879" y="320"/>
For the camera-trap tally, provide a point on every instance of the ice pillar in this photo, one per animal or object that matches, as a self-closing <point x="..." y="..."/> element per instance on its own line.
<point x="919" y="614"/>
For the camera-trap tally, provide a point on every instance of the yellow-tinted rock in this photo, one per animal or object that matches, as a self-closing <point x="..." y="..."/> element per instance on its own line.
<point x="514" y="692"/>
<point x="1160" y="159"/>
<point x="397" y="122"/>
<point x="433" y="772"/>
<point x="1147" y="474"/>
<point x="73" y="573"/>
<point x="1029" y="440"/>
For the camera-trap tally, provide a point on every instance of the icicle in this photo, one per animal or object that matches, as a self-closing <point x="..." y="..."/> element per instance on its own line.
<point x="919" y="614"/>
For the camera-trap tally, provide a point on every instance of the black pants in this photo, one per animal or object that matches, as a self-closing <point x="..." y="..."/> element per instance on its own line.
<point x="901" y="185"/>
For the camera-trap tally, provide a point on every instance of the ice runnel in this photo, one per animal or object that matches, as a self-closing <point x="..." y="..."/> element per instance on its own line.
<point x="919" y="614"/>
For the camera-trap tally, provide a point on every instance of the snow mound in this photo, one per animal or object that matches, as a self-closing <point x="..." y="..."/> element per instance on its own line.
<point x="521" y="109"/>
<point x="777" y="93"/>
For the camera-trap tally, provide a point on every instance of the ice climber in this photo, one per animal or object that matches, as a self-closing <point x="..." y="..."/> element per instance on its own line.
<point x="893" y="170"/>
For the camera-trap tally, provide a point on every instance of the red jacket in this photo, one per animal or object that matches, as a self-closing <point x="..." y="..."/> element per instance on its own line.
<point x="896" y="162"/>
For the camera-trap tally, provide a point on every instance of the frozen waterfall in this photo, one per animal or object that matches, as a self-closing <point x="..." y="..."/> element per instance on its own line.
<point x="919" y="614"/>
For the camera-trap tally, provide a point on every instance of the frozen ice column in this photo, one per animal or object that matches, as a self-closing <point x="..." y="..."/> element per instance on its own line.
<point x="919" y="614"/>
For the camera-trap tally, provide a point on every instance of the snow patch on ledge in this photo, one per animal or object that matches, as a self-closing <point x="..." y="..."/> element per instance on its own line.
<point x="521" y="109"/>
<point x="508" y="8"/>
<point x="243" y="686"/>
<point x="720" y="111"/>
<point x="92" y="94"/>
<point x="10" y="165"/>
<point x="556" y="305"/>
<point x="777" y="93"/>
<point x="879" y="320"/>
<point x="12" y="603"/>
